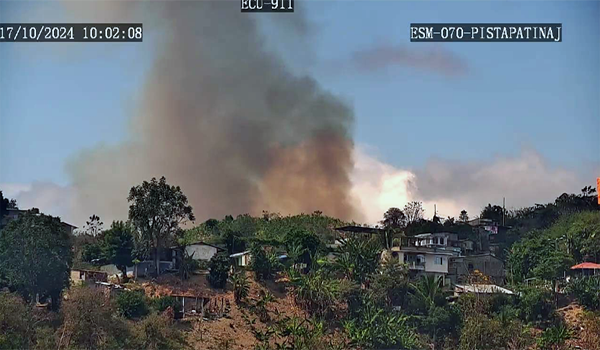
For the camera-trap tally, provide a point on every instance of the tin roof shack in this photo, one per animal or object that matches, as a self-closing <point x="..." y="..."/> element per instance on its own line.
<point x="241" y="259"/>
<point x="81" y="276"/>
<point x="461" y="267"/>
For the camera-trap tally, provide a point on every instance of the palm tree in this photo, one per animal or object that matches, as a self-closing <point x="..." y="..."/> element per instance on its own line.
<point x="429" y="289"/>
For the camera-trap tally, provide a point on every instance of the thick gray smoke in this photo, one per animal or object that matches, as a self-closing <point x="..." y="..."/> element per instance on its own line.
<point x="225" y="119"/>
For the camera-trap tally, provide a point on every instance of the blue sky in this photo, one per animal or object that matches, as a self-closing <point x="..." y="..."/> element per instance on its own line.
<point x="544" y="96"/>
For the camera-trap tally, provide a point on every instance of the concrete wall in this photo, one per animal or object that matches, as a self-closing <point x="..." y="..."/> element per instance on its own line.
<point x="201" y="252"/>
<point x="488" y="265"/>
<point x="431" y="266"/>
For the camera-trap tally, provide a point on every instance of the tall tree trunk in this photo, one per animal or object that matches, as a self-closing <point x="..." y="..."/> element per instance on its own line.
<point x="157" y="259"/>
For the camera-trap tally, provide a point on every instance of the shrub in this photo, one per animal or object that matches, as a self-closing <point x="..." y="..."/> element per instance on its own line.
<point x="587" y="291"/>
<point x="15" y="322"/>
<point x="264" y="264"/>
<point x="156" y="332"/>
<point x="160" y="304"/>
<point x="554" y="337"/>
<point x="90" y="322"/>
<point x="316" y="293"/>
<point x="219" y="270"/>
<point x="536" y="304"/>
<point x="483" y="333"/>
<point x="132" y="304"/>
<point x="590" y="334"/>
<point x="241" y="286"/>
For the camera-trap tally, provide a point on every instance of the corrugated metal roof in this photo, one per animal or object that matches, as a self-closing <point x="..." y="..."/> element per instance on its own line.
<point x="586" y="265"/>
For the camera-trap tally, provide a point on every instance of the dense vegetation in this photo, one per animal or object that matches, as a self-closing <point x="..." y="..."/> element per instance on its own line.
<point x="351" y="296"/>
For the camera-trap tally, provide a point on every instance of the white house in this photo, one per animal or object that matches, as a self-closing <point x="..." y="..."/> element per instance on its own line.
<point x="200" y="251"/>
<point x="428" y="253"/>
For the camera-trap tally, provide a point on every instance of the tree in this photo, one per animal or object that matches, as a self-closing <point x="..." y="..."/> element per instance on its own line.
<point x="394" y="220"/>
<point x="36" y="257"/>
<point x="117" y="246"/>
<point x="413" y="211"/>
<point x="493" y="212"/>
<point x="6" y="204"/>
<point x="90" y="322"/>
<point x="219" y="270"/>
<point x="463" y="217"/>
<point x="299" y="240"/>
<point x="93" y="226"/>
<point x="157" y="210"/>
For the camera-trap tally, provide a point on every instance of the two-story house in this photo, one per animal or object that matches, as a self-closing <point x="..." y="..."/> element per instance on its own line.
<point x="428" y="253"/>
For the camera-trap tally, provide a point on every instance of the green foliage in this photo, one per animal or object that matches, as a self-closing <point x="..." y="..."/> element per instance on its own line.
<point x="90" y="322"/>
<point x="118" y="245"/>
<point x="483" y="333"/>
<point x="160" y="304"/>
<point x="157" y="332"/>
<point x="91" y="251"/>
<point x="428" y="293"/>
<point x="219" y="270"/>
<point x="316" y="292"/>
<point x="550" y="252"/>
<point x="375" y="328"/>
<point x="264" y="263"/>
<point x="187" y="264"/>
<point x="303" y="242"/>
<point x="536" y="304"/>
<point x="554" y="337"/>
<point x="36" y="256"/>
<point x="358" y="258"/>
<point x="132" y="304"/>
<point x="586" y="290"/>
<point x="390" y="285"/>
<point x="157" y="210"/>
<point x="241" y="286"/>
<point x="16" y="322"/>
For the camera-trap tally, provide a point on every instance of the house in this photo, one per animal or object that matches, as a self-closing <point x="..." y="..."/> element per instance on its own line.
<point x="586" y="269"/>
<point x="242" y="258"/>
<point x="14" y="213"/>
<point x="199" y="250"/>
<point x="481" y="289"/>
<point x="81" y="276"/>
<point x="428" y="253"/>
<point x="462" y="267"/>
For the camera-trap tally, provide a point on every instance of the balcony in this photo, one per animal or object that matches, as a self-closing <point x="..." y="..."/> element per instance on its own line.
<point x="415" y="265"/>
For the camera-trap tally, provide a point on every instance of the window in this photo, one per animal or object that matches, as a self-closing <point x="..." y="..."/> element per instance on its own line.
<point x="435" y="240"/>
<point x="439" y="260"/>
<point x="470" y="267"/>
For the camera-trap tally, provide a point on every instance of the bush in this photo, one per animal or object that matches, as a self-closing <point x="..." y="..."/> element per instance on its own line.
<point x="554" y="337"/>
<point x="219" y="270"/>
<point x="132" y="304"/>
<point x="536" y="304"/>
<point x="316" y="293"/>
<point x="241" y="286"/>
<point x="590" y="334"/>
<point x="15" y="322"/>
<point x="264" y="264"/>
<point x="90" y="322"/>
<point x="156" y="332"/>
<point x="160" y="304"/>
<point x="483" y="333"/>
<point x="587" y="291"/>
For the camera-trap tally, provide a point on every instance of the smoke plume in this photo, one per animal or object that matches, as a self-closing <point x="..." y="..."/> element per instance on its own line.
<point x="225" y="119"/>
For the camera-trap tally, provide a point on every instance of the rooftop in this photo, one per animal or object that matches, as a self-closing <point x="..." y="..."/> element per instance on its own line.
<point x="483" y="289"/>
<point x="586" y="265"/>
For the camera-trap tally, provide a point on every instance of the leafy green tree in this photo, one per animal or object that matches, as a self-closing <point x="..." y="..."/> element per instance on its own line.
<point x="161" y="304"/>
<point x="358" y="258"/>
<point x="390" y="285"/>
<point x="91" y="252"/>
<point x="428" y="292"/>
<point x="536" y="304"/>
<point x="157" y="210"/>
<point x="5" y="204"/>
<point x="132" y="304"/>
<point x="587" y="291"/>
<point x="219" y="270"/>
<point x="376" y="328"/>
<point x="117" y="246"/>
<point x="264" y="263"/>
<point x="36" y="257"/>
<point x="300" y="240"/>
<point x="316" y="292"/>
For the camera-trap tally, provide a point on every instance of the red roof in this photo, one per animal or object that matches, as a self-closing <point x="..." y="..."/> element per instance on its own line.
<point x="586" y="265"/>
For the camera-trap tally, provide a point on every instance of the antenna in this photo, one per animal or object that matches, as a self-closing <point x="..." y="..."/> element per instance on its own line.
<point x="503" y="209"/>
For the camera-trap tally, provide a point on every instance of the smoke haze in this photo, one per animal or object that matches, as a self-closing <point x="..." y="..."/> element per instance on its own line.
<point x="224" y="119"/>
